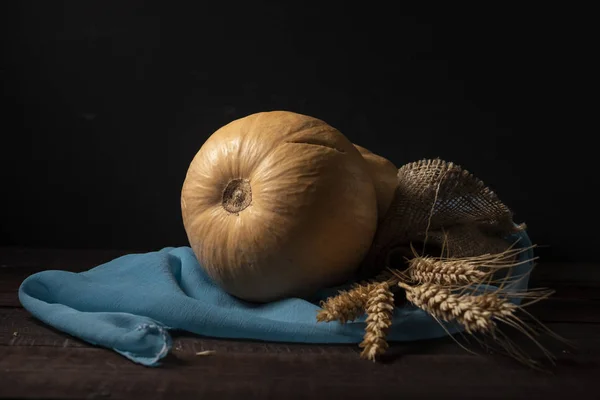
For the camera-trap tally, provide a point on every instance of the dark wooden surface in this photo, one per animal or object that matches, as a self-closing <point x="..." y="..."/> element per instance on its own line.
<point x="37" y="361"/>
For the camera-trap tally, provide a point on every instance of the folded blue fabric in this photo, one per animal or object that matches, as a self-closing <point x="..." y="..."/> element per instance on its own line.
<point x="131" y="303"/>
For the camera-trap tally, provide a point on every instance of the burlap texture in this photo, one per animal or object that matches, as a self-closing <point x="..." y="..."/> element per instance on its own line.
<point x="438" y="205"/>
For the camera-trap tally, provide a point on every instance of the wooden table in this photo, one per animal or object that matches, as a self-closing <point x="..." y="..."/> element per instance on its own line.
<point x="37" y="361"/>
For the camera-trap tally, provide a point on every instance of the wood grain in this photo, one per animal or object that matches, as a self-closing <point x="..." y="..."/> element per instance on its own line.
<point x="19" y="329"/>
<point x="37" y="361"/>
<point x="48" y="372"/>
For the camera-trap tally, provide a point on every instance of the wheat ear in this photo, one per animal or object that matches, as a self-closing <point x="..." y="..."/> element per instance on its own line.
<point x="380" y="307"/>
<point x="476" y="313"/>
<point x="460" y="271"/>
<point x="349" y="305"/>
<point x="480" y="314"/>
<point x="442" y="272"/>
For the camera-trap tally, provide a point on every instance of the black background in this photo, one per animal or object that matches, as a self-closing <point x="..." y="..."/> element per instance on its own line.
<point x="106" y="102"/>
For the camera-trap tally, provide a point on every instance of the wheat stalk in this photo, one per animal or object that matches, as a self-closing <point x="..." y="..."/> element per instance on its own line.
<point x="380" y="307"/>
<point x="440" y="287"/>
<point x="441" y="291"/>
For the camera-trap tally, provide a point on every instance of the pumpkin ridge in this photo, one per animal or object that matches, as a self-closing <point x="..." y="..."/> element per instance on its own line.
<point x="315" y="143"/>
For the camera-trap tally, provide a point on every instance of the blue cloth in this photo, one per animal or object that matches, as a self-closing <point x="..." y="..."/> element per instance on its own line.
<point x="132" y="302"/>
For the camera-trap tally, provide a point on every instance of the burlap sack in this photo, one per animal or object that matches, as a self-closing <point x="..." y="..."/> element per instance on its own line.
<point x="439" y="206"/>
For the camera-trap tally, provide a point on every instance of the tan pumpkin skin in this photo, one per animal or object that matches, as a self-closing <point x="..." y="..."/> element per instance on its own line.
<point x="385" y="178"/>
<point x="312" y="214"/>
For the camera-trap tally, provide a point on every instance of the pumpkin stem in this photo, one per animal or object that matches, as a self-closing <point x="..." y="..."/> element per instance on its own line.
<point x="237" y="195"/>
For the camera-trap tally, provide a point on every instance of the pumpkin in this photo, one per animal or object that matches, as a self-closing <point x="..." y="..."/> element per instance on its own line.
<point x="278" y="204"/>
<point x="385" y="178"/>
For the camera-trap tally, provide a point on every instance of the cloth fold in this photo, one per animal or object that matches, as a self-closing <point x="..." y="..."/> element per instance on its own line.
<point x="130" y="304"/>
